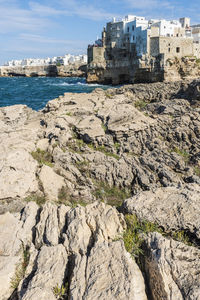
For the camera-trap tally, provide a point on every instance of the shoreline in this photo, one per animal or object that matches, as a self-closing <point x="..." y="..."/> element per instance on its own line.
<point x="73" y="70"/>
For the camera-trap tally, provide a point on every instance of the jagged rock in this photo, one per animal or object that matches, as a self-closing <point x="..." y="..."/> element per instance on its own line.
<point x="171" y="269"/>
<point x="47" y="230"/>
<point x="7" y="273"/>
<point x="43" y="144"/>
<point x="52" y="183"/>
<point x="69" y="244"/>
<point x="108" y="272"/>
<point x="51" y="264"/>
<point x="90" y="128"/>
<point x="17" y="174"/>
<point x="172" y="208"/>
<point x="15" y="233"/>
<point x="143" y="138"/>
<point x="96" y="222"/>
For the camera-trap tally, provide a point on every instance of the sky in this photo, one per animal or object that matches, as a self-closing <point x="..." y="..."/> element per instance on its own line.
<point x="47" y="28"/>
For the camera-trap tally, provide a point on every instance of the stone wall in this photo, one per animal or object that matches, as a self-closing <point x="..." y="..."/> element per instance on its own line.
<point x="96" y="54"/>
<point x="171" y="46"/>
<point x="196" y="49"/>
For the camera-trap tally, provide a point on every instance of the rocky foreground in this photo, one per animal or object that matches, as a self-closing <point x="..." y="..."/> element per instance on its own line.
<point x="100" y="195"/>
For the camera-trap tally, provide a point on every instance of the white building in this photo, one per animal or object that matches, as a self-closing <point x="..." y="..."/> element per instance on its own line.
<point x="195" y="33"/>
<point x="167" y="28"/>
<point x="57" y="60"/>
<point x="136" y="31"/>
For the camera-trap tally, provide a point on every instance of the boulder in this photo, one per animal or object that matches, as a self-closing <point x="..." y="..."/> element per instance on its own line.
<point x="17" y="174"/>
<point x="172" y="208"/>
<point x="52" y="183"/>
<point x="171" y="269"/>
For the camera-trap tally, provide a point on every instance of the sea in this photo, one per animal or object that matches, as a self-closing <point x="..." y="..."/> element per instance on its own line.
<point x="35" y="92"/>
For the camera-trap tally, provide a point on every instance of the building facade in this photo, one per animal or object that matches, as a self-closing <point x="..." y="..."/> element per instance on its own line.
<point x="134" y="43"/>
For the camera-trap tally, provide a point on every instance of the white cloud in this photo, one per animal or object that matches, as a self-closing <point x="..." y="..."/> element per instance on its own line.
<point x="71" y="8"/>
<point x="39" y="39"/>
<point x="13" y="19"/>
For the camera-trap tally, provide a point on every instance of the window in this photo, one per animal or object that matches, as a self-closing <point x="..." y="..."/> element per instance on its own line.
<point x="177" y="49"/>
<point x="168" y="49"/>
<point x="133" y="27"/>
<point x="133" y="37"/>
<point x="128" y="29"/>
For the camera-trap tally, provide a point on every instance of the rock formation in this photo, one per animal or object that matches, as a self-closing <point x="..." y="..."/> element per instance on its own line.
<point x="64" y="169"/>
<point x="73" y="70"/>
<point x="75" y="248"/>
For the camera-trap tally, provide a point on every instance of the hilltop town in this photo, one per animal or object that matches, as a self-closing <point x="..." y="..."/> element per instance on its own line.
<point x="135" y="49"/>
<point x="65" y="60"/>
<point x="62" y="66"/>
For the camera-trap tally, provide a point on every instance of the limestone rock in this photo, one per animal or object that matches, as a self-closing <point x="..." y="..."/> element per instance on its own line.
<point x="51" y="182"/>
<point x="17" y="174"/>
<point x="90" y="128"/>
<point x="108" y="272"/>
<point x="51" y="265"/>
<point x="14" y="235"/>
<point x="47" y="230"/>
<point x="171" y="208"/>
<point x="96" y="222"/>
<point x="171" y="269"/>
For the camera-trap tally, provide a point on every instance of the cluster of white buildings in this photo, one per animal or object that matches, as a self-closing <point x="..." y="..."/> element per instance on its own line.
<point x="137" y="31"/>
<point x="57" y="60"/>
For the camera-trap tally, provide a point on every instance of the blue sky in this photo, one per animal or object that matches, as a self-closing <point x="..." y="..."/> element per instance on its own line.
<point x="42" y="28"/>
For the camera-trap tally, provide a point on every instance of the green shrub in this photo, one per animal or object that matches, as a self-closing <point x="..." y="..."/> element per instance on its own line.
<point x="43" y="157"/>
<point x="132" y="236"/>
<point x="40" y="200"/>
<point x="117" y="146"/>
<point x="65" y="198"/>
<point x="140" y="104"/>
<point x="60" y="292"/>
<point x="104" y="151"/>
<point x="182" y="153"/>
<point x="181" y="237"/>
<point x="108" y="95"/>
<point x="197" y="171"/>
<point x="111" y="195"/>
<point x="104" y="127"/>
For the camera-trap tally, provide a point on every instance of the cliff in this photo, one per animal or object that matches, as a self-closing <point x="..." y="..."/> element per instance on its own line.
<point x="99" y="195"/>
<point x="139" y="71"/>
<point x="73" y="70"/>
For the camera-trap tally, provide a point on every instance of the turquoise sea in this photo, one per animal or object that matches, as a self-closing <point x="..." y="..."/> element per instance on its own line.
<point x="35" y="92"/>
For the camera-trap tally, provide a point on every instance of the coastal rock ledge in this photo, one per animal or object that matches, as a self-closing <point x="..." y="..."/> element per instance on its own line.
<point x="100" y="194"/>
<point x="75" y="248"/>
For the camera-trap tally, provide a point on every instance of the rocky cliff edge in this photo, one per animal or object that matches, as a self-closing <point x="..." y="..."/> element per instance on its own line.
<point x="99" y="195"/>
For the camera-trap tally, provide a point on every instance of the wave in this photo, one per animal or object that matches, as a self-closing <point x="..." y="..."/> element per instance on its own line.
<point x="87" y="84"/>
<point x="61" y="84"/>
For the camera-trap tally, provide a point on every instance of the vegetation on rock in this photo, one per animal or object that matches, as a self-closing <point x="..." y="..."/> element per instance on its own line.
<point x="21" y="268"/>
<point x="43" y="157"/>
